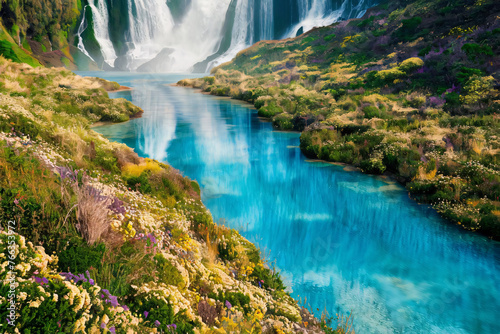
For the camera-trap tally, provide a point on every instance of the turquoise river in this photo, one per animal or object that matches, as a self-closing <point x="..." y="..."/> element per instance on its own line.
<point x="343" y="241"/>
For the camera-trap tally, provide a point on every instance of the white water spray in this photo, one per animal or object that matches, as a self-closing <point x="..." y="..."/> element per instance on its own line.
<point x="101" y="30"/>
<point x="157" y="43"/>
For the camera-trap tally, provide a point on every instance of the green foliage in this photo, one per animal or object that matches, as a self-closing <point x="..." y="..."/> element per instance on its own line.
<point x="411" y="64"/>
<point x="140" y="183"/>
<point x="466" y="72"/>
<point x="408" y="31"/>
<point x="7" y="51"/>
<point x="270" y="110"/>
<point x="366" y="22"/>
<point x="477" y="89"/>
<point x="373" y="166"/>
<point x="167" y="272"/>
<point x="283" y="121"/>
<point x="328" y="38"/>
<point x="425" y="51"/>
<point x="161" y="311"/>
<point x="474" y="50"/>
<point x="77" y="256"/>
<point x="371" y="112"/>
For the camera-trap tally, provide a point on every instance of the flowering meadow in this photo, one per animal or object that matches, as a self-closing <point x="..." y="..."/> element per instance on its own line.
<point x="95" y="239"/>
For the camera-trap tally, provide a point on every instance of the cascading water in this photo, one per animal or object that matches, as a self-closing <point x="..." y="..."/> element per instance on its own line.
<point x="100" y="20"/>
<point x="149" y="21"/>
<point x="266" y="20"/>
<point x="320" y="13"/>
<point x="81" y="29"/>
<point x="175" y="35"/>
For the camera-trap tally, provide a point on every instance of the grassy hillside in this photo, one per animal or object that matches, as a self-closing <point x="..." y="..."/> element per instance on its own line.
<point x="40" y="32"/>
<point x="410" y="89"/>
<point x="101" y="240"/>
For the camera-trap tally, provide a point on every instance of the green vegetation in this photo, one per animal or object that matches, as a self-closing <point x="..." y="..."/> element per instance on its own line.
<point x="30" y="28"/>
<point x="409" y="90"/>
<point x="107" y="240"/>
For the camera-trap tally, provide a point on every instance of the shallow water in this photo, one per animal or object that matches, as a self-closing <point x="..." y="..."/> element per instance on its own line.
<point x="344" y="241"/>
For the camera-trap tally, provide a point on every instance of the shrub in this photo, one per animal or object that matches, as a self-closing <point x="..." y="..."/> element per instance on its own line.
<point x="372" y="112"/>
<point x="329" y="37"/>
<point x="270" y="110"/>
<point x="283" y="121"/>
<point x="140" y="183"/>
<point x="478" y="89"/>
<point x="79" y="256"/>
<point x="373" y="166"/>
<point x="411" y="64"/>
<point x="473" y="50"/>
<point x="388" y="76"/>
<point x="167" y="272"/>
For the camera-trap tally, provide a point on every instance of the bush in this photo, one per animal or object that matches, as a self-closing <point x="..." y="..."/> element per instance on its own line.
<point x="283" y="121"/>
<point x="477" y="88"/>
<point x="78" y="257"/>
<point x="473" y="50"/>
<point x="411" y="64"/>
<point x="372" y="112"/>
<point x="270" y="110"/>
<point x="140" y="183"/>
<point x="373" y="166"/>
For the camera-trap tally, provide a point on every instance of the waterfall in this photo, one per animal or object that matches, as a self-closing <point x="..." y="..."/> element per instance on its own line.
<point x="150" y="21"/>
<point x="316" y="14"/>
<point x="100" y="19"/>
<point x="204" y="33"/>
<point x="266" y="20"/>
<point x="81" y="29"/>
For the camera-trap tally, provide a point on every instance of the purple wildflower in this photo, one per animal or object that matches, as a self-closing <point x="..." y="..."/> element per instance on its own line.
<point x="103" y="325"/>
<point x="113" y="301"/>
<point x="16" y="201"/>
<point x="146" y="314"/>
<point x="436" y="101"/>
<point x="125" y="308"/>
<point x="112" y="330"/>
<point x="152" y="238"/>
<point x="157" y="323"/>
<point x="228" y="305"/>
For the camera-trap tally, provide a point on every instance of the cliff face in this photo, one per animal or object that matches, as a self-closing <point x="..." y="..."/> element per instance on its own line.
<point x="410" y="90"/>
<point x="96" y="239"/>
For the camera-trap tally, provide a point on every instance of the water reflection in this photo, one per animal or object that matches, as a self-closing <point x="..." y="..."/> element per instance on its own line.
<point x="343" y="240"/>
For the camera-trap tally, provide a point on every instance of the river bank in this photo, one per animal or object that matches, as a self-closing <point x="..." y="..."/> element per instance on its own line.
<point x="121" y="243"/>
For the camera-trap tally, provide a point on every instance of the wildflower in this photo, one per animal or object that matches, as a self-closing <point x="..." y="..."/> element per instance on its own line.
<point x="157" y="323"/>
<point x="146" y="314"/>
<point x="112" y="330"/>
<point x="228" y="305"/>
<point x="103" y="325"/>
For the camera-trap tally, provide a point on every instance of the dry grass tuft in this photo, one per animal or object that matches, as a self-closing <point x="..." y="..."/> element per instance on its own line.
<point x="92" y="212"/>
<point x="126" y="155"/>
